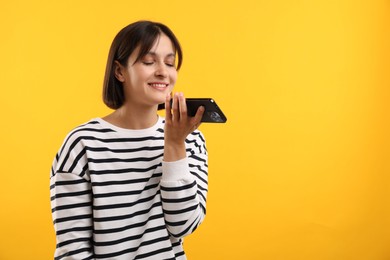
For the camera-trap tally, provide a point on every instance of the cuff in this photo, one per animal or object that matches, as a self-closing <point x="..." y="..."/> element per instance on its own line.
<point x="176" y="171"/>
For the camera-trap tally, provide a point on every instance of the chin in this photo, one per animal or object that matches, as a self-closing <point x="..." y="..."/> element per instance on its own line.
<point x="159" y="101"/>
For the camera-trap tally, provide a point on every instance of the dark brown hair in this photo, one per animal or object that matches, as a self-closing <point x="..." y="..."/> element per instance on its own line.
<point x="142" y="34"/>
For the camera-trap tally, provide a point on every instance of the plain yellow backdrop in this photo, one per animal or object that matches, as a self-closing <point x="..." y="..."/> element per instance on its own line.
<point x="299" y="172"/>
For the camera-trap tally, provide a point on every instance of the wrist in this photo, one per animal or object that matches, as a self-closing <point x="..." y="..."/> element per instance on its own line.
<point x="174" y="151"/>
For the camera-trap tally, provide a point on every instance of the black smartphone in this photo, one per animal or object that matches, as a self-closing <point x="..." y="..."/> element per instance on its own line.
<point x="212" y="113"/>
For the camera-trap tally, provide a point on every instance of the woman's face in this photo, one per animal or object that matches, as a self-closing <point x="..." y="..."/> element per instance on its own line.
<point x="148" y="81"/>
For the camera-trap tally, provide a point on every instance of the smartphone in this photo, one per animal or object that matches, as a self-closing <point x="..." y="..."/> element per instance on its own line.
<point x="212" y="113"/>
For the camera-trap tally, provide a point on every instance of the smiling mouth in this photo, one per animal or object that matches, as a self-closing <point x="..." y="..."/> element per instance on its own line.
<point x="160" y="86"/>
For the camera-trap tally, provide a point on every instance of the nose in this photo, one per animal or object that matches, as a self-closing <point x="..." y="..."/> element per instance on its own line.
<point x="161" y="70"/>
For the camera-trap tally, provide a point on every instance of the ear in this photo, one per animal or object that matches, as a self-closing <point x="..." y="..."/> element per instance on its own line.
<point x="119" y="71"/>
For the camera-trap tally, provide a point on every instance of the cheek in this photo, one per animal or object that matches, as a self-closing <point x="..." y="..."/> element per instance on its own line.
<point x="137" y="77"/>
<point x="173" y="77"/>
<point x="172" y="85"/>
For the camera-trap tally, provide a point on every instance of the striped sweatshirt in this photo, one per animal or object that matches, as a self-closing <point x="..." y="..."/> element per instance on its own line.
<point x="113" y="197"/>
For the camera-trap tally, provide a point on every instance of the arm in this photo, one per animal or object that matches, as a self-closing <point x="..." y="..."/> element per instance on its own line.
<point x="71" y="201"/>
<point x="72" y="216"/>
<point x="184" y="193"/>
<point x="184" y="180"/>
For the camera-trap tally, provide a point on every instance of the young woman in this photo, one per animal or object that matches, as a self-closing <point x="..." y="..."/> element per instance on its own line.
<point x="131" y="185"/>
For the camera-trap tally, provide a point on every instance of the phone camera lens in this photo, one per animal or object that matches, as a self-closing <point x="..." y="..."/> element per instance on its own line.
<point x="215" y="116"/>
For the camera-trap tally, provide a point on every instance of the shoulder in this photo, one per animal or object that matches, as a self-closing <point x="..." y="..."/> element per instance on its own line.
<point x="91" y="127"/>
<point x="71" y="155"/>
<point x="86" y="131"/>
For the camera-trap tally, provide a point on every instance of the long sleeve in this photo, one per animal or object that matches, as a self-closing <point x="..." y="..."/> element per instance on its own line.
<point x="184" y="186"/>
<point x="72" y="216"/>
<point x="71" y="200"/>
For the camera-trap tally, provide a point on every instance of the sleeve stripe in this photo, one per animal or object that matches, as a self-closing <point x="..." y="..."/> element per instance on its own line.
<point x="71" y="206"/>
<point x="70" y="194"/>
<point x="193" y="225"/>
<point x="59" y="220"/>
<point x="179" y="200"/>
<point x="74" y="229"/>
<point x="72" y="253"/>
<point x="180" y="211"/>
<point x="81" y="239"/>
<point x="185" y="187"/>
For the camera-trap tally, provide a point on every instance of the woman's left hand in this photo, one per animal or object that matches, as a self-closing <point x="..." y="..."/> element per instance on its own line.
<point x="178" y="125"/>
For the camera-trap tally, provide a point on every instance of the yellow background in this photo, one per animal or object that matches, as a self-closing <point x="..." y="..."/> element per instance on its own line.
<point x="301" y="169"/>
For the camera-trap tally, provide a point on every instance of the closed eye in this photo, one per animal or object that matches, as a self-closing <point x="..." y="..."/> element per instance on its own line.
<point x="148" y="63"/>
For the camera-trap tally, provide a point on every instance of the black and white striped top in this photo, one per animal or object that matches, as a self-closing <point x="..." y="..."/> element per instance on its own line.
<point x="113" y="197"/>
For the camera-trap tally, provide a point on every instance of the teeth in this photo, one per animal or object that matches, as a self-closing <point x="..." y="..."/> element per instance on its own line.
<point x="158" y="85"/>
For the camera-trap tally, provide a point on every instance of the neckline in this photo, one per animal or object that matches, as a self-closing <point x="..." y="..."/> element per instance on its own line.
<point x="131" y="131"/>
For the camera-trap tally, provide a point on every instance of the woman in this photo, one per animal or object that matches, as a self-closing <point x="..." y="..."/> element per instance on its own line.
<point x="131" y="185"/>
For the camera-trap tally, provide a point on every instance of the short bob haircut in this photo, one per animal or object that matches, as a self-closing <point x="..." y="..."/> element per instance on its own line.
<point x="143" y="34"/>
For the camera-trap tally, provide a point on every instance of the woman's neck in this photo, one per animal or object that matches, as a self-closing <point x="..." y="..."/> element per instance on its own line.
<point x="136" y="117"/>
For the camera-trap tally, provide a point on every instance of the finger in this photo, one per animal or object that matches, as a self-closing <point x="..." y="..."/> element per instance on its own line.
<point x="182" y="106"/>
<point x="198" y="116"/>
<point x="175" y="107"/>
<point x="168" y="114"/>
